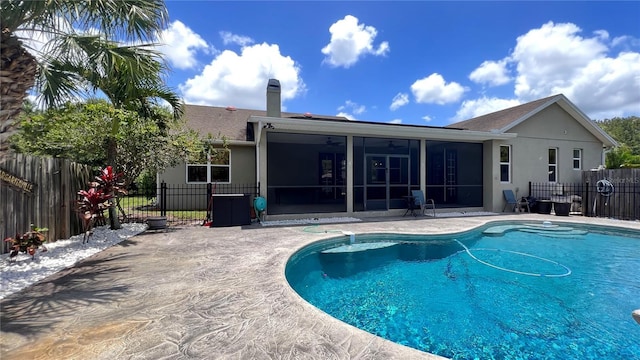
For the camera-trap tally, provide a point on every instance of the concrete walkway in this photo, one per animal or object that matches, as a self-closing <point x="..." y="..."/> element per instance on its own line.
<point x="201" y="293"/>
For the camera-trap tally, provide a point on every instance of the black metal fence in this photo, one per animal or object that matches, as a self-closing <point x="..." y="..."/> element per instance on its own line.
<point x="182" y="205"/>
<point x="594" y="198"/>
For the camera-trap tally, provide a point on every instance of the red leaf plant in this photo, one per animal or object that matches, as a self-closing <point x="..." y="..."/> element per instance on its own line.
<point x="27" y="243"/>
<point x="110" y="181"/>
<point x="93" y="202"/>
<point x="91" y="206"/>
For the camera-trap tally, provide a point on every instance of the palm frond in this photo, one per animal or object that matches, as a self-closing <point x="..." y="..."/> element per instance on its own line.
<point x="58" y="83"/>
<point x="123" y="20"/>
<point x="148" y="98"/>
<point x="84" y="50"/>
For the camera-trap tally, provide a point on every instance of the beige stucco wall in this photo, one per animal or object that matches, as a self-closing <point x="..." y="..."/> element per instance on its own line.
<point x="193" y="196"/>
<point x="489" y="152"/>
<point x="550" y="128"/>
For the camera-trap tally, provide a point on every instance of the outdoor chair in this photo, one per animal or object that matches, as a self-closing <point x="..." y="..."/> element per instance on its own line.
<point x="421" y="203"/>
<point x="510" y="198"/>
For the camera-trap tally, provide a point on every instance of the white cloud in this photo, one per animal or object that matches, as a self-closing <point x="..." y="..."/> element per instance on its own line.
<point x="353" y="107"/>
<point x="601" y="34"/>
<point x="395" y="121"/>
<point x="350" y="41"/>
<point x="229" y="38"/>
<point x="241" y="79"/>
<point x="346" y="115"/>
<point x="556" y="59"/>
<point x="492" y="73"/>
<point x="180" y="45"/>
<point x="625" y="41"/>
<point x="434" y="90"/>
<point x="551" y="57"/>
<point x="427" y="118"/>
<point x="607" y="87"/>
<point x="472" y="108"/>
<point x="350" y="109"/>
<point x="401" y="99"/>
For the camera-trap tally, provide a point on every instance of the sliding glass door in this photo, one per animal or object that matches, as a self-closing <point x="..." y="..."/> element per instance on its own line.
<point x="387" y="181"/>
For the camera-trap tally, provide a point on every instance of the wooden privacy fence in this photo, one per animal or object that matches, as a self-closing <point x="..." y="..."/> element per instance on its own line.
<point x="40" y="191"/>
<point x="613" y="193"/>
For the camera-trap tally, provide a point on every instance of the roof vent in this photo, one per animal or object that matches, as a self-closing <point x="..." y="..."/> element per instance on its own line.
<point x="230" y="108"/>
<point x="308" y="115"/>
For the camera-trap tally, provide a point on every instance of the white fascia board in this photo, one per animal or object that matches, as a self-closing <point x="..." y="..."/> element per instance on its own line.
<point x="382" y="130"/>
<point x="233" y="142"/>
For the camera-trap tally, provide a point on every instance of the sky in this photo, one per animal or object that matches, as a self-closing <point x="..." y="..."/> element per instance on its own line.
<point x="428" y="63"/>
<point x="406" y="62"/>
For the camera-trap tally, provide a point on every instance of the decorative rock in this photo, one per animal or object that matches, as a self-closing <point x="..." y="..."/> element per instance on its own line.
<point x="636" y="315"/>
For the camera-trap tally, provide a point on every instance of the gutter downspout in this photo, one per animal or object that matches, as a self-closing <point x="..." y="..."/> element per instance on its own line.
<point x="258" y="138"/>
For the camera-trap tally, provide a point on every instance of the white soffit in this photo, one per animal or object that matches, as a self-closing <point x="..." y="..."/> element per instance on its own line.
<point x="378" y="130"/>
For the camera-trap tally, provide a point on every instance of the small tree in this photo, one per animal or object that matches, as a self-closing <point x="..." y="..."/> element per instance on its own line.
<point x="622" y="157"/>
<point x="77" y="132"/>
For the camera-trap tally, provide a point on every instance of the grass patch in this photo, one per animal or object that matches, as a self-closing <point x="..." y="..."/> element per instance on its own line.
<point x="138" y="208"/>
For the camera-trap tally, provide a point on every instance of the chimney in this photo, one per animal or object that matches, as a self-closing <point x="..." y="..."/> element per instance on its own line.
<point x="273" y="98"/>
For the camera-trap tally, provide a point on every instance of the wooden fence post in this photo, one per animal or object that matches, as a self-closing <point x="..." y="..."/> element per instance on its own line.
<point x="40" y="191"/>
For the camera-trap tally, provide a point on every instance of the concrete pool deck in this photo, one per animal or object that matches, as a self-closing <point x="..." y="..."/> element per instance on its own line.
<point x="204" y="293"/>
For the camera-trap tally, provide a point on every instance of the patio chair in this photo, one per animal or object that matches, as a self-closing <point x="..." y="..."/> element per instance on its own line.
<point x="420" y="202"/>
<point x="510" y="198"/>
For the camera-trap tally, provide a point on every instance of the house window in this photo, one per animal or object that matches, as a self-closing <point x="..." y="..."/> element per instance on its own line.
<point x="505" y="163"/>
<point x="577" y="159"/>
<point x="217" y="169"/>
<point x="553" y="164"/>
<point x="196" y="173"/>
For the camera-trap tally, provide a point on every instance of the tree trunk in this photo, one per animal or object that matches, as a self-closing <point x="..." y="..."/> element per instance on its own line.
<point x="112" y="151"/>
<point x="17" y="76"/>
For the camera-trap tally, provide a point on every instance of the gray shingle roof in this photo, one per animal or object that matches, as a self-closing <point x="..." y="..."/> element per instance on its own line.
<point x="232" y="122"/>
<point x="502" y="119"/>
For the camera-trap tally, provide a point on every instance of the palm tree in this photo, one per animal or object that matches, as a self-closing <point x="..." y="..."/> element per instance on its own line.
<point x="73" y="60"/>
<point x="130" y="76"/>
<point x="82" y="52"/>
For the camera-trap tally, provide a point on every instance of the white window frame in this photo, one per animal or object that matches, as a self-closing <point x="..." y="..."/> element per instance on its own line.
<point x="553" y="167"/>
<point x="577" y="159"/>
<point x="209" y="166"/>
<point x="505" y="163"/>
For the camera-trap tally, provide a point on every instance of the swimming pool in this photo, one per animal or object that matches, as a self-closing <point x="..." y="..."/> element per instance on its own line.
<point x="505" y="290"/>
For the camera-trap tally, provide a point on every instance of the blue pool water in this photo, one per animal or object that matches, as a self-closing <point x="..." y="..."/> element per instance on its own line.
<point x="517" y="294"/>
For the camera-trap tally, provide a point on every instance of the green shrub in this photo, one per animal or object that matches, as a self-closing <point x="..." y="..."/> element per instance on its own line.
<point x="146" y="184"/>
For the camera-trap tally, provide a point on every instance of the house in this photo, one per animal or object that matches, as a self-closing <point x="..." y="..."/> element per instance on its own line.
<point x="555" y="142"/>
<point x="306" y="165"/>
